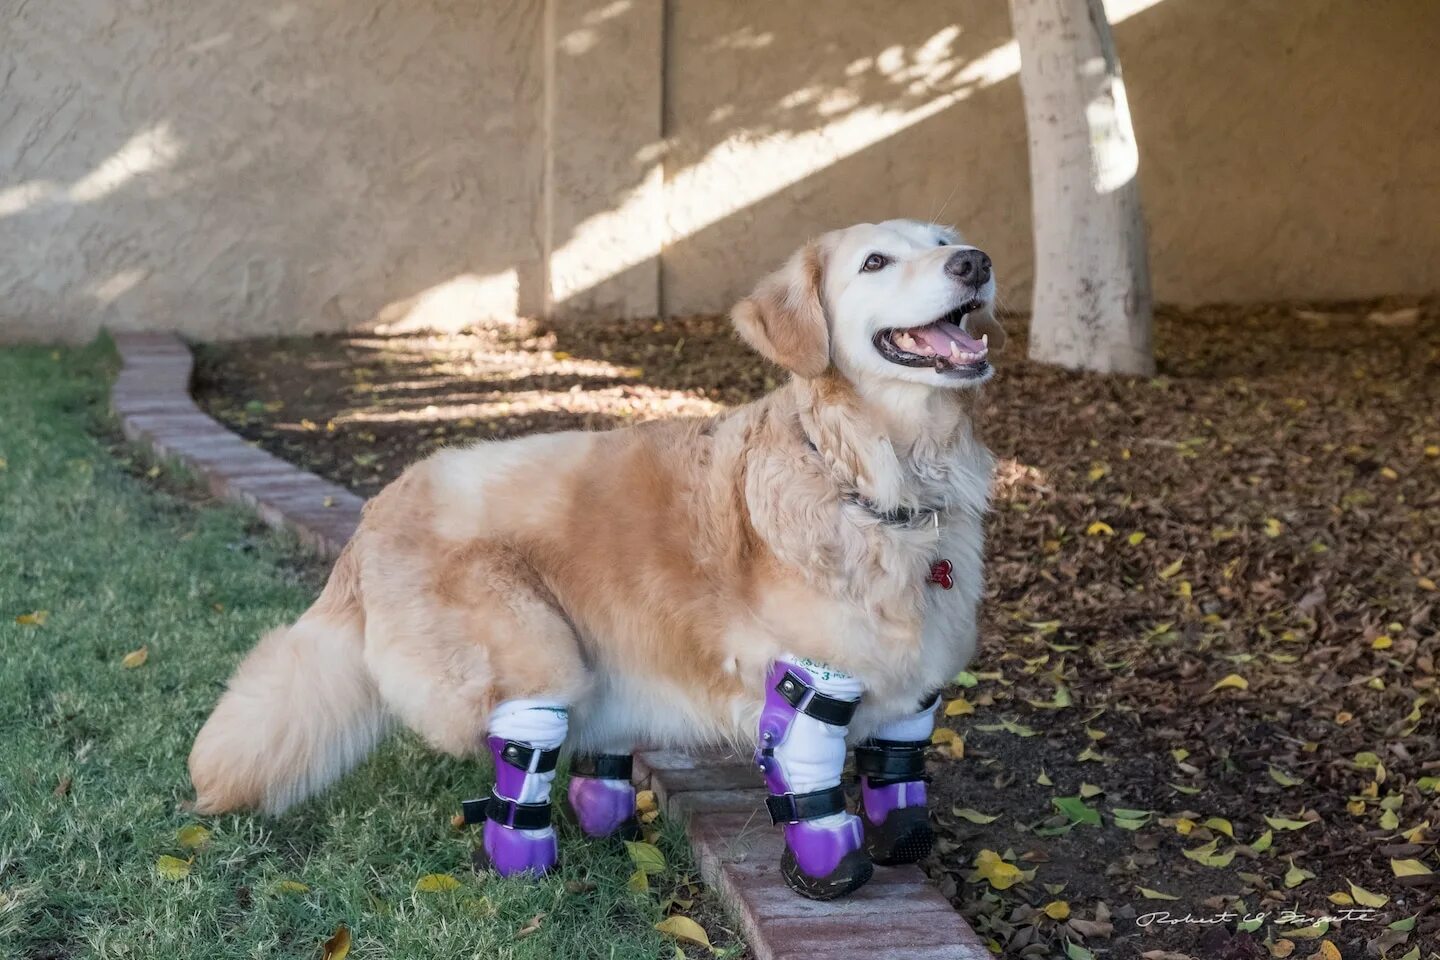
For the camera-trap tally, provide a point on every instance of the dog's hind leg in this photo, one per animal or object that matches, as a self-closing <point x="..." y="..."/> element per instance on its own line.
<point x="891" y="765"/>
<point x="477" y="653"/>
<point x="602" y="796"/>
<point x="801" y="750"/>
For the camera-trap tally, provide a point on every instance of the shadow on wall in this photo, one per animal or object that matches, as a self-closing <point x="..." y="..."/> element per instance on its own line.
<point x="242" y="169"/>
<point x="1286" y="151"/>
<point x="233" y="170"/>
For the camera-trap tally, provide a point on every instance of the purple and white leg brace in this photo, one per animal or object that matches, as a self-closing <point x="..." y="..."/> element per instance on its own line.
<point x="891" y="765"/>
<point x="602" y="796"/>
<point x="801" y="750"/>
<point x="524" y="740"/>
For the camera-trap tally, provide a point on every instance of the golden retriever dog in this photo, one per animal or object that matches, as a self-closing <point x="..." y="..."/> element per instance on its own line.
<point x="794" y="574"/>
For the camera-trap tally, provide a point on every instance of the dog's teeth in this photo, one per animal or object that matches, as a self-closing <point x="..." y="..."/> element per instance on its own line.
<point x="985" y="339"/>
<point x="954" y="350"/>
<point x="906" y="341"/>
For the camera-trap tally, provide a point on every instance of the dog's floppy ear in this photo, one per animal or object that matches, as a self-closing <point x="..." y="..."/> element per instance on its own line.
<point x="983" y="321"/>
<point x="784" y="319"/>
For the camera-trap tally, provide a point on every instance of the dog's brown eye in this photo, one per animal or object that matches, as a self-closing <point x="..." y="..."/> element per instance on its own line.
<point x="876" y="261"/>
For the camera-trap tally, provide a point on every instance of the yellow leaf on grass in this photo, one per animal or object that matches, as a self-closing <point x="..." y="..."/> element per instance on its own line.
<point x="292" y="886"/>
<point x="1328" y="951"/>
<point x="638" y="882"/>
<point x="172" y="868"/>
<point x="35" y="619"/>
<point x="1149" y="894"/>
<point x="135" y="658"/>
<point x="436" y="883"/>
<point x="1233" y="681"/>
<point x="958" y="707"/>
<point x="1173" y="569"/>
<point x="974" y="816"/>
<point x="1356" y="808"/>
<point x="1409" y="868"/>
<point x="1263" y="844"/>
<point x="1273" y="527"/>
<point x="1343" y="899"/>
<point x="1057" y="910"/>
<point x="1382" y="642"/>
<point x="683" y="928"/>
<point x="1425" y="583"/>
<point x="1282" y="948"/>
<point x="645" y="801"/>
<point x="645" y="856"/>
<point x="1389" y="821"/>
<point x="942" y="735"/>
<point x="1364" y="897"/>
<point x="1136" y="538"/>
<point x="193" y="837"/>
<point x="1044" y="779"/>
<point x="338" y="946"/>
<point x="1099" y="529"/>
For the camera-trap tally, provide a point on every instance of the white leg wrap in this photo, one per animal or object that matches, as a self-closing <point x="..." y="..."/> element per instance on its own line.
<point x="539" y="723"/>
<point x="812" y="754"/>
<point x="917" y="726"/>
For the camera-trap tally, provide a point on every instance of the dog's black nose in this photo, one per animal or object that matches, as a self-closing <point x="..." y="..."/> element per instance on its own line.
<point x="969" y="266"/>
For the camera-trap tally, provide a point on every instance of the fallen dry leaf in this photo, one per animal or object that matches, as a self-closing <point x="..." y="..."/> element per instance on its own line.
<point x="338" y="946"/>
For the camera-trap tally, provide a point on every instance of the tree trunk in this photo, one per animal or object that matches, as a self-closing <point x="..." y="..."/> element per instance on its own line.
<point x="1092" y="307"/>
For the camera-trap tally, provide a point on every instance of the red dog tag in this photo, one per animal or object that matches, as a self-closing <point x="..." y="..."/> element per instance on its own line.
<point x="940" y="572"/>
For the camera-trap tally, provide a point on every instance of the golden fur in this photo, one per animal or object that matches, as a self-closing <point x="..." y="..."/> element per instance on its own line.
<point x="646" y="576"/>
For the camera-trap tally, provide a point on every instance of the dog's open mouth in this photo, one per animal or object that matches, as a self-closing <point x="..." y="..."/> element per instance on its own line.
<point x="943" y="345"/>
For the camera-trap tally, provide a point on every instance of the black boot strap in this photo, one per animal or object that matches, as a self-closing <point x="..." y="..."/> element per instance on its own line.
<point x="826" y="709"/>
<point x="884" y="762"/>
<point x="507" y="813"/>
<point x="519" y="755"/>
<point x="603" y="766"/>
<point x="794" y="807"/>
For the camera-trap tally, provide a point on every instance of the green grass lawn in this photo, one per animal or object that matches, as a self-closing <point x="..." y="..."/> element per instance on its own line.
<point x="93" y="786"/>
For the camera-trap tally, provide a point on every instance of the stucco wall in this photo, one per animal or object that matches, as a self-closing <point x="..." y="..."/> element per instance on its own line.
<point x="1288" y="149"/>
<point x="235" y="169"/>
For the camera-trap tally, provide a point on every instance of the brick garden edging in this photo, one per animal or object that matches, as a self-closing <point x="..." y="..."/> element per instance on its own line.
<point x="896" y="916"/>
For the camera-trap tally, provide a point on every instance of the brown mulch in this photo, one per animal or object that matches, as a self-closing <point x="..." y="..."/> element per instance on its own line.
<point x="1212" y="601"/>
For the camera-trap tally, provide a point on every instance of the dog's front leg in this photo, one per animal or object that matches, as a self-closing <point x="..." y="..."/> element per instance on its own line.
<point x="891" y="765"/>
<point x="801" y="750"/>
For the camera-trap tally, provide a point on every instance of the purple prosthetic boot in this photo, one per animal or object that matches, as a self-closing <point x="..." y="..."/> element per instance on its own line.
<point x="802" y="750"/>
<point x="601" y="795"/>
<point x="891" y="766"/>
<point x="525" y="737"/>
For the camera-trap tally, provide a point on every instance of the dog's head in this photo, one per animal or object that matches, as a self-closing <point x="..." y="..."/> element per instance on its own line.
<point x="899" y="300"/>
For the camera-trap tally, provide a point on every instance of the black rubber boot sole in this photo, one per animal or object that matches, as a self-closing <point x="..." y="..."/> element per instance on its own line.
<point x="849" y="875"/>
<point x="905" y="836"/>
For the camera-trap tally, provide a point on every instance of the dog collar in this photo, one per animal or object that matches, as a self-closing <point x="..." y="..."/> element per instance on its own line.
<point x="899" y="517"/>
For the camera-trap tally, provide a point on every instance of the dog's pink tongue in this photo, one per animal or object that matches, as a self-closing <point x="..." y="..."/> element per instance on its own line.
<point x="938" y="337"/>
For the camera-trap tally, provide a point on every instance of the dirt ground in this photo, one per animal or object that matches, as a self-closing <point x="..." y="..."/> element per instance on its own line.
<point x="1207" y="693"/>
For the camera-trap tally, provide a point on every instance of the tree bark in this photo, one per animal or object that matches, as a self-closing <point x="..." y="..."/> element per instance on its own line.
<point x="1092" y="307"/>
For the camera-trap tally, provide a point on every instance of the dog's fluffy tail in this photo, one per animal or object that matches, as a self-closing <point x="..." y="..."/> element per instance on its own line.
<point x="300" y="711"/>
